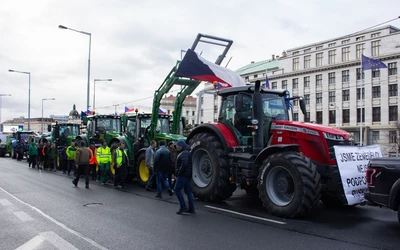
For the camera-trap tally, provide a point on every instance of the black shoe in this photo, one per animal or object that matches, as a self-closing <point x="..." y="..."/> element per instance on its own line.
<point x="149" y="189"/>
<point x="170" y="192"/>
<point x="182" y="210"/>
<point x="75" y="183"/>
<point x="191" y="211"/>
<point x="158" y="196"/>
<point x="124" y="186"/>
<point x="87" y="186"/>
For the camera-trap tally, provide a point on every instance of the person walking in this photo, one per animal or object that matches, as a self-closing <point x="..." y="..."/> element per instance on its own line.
<point x="71" y="152"/>
<point x="40" y="155"/>
<point x="93" y="160"/>
<point x="32" y="153"/>
<point x="104" y="159"/>
<point x="45" y="155"/>
<point x="184" y="177"/>
<point x="20" y="151"/>
<point x="171" y="174"/>
<point x="121" y="162"/>
<point x="82" y="159"/>
<point x="53" y="157"/>
<point x="162" y="166"/>
<point x="150" y="151"/>
<point x="64" y="159"/>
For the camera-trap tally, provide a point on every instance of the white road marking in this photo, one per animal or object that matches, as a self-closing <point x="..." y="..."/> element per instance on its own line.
<point x="247" y="215"/>
<point x="5" y="202"/>
<point x="93" y="243"/>
<point x="23" y="216"/>
<point x="50" y="236"/>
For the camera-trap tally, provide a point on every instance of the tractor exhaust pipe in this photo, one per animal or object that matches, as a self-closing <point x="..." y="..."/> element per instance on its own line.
<point x="258" y="131"/>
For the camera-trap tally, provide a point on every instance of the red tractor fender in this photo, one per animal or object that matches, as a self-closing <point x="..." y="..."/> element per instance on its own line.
<point x="272" y="150"/>
<point x="221" y="131"/>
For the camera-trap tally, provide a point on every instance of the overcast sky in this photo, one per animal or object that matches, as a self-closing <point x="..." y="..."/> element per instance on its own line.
<point x="136" y="43"/>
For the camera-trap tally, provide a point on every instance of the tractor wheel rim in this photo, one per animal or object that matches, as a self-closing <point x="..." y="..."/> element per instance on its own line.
<point x="143" y="171"/>
<point x="280" y="186"/>
<point x="202" y="168"/>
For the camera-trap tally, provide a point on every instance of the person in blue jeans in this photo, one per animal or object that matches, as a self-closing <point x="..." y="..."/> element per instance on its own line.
<point x="162" y="166"/>
<point x="184" y="177"/>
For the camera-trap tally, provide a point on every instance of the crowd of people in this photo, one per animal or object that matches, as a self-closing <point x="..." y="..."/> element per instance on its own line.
<point x="169" y="166"/>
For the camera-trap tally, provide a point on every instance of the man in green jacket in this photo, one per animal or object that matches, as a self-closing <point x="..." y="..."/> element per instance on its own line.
<point x="71" y="152"/>
<point x="32" y="153"/>
<point x="53" y="157"/>
<point x="104" y="159"/>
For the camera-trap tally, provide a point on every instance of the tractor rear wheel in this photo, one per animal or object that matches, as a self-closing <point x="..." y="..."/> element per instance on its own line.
<point x="289" y="184"/>
<point x="142" y="173"/>
<point x="334" y="199"/>
<point x="210" y="169"/>
<point x="398" y="213"/>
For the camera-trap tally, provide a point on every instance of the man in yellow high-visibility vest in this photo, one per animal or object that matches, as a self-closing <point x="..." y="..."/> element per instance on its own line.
<point x="121" y="162"/>
<point x="104" y="159"/>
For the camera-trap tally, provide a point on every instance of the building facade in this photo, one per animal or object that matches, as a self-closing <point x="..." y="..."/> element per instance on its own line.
<point x="36" y="124"/>
<point x="329" y="76"/>
<point x="188" y="109"/>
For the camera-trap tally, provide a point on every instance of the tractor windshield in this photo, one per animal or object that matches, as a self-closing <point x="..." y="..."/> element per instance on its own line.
<point x="68" y="130"/>
<point x="109" y="124"/>
<point x="131" y="127"/>
<point x="163" y="125"/>
<point x="274" y="107"/>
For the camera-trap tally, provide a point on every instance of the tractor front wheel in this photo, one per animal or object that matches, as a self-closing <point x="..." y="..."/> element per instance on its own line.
<point x="289" y="184"/>
<point x="142" y="173"/>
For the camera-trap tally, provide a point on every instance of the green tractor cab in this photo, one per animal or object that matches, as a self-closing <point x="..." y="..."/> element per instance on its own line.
<point x="5" y="145"/>
<point x="63" y="133"/>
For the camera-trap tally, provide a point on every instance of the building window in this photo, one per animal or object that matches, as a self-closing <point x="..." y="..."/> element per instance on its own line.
<point x="331" y="77"/>
<point x="295" y="53"/>
<point x="359" y="71"/>
<point x="295" y="116"/>
<point x="393" y="89"/>
<point x="376" y="73"/>
<point x="274" y="85"/>
<point x="375" y="136"/>
<point x="215" y="98"/>
<point x="332" y="96"/>
<point x="295" y="102"/>
<point x="346" y="116"/>
<point x="376" y="92"/>
<point x="360" y="38"/>
<point x="358" y="93"/>
<point x="332" y="116"/>
<point x="331" y="56"/>
<point x="306" y="82"/>
<point x="393" y="136"/>
<point x="318" y="80"/>
<point x="318" y="48"/>
<point x="307" y="50"/>
<point x="295" y="83"/>
<point x="346" y="95"/>
<point x="307" y="117"/>
<point x="375" y="48"/>
<point x="331" y="45"/>
<point x="393" y="113"/>
<point x="307" y="62"/>
<point x="318" y="97"/>
<point x="392" y="68"/>
<point x="319" y="59"/>
<point x="215" y="109"/>
<point x="345" y="75"/>
<point x="376" y="114"/>
<point x="255" y="76"/>
<point x="375" y="34"/>
<point x="346" y="41"/>
<point x="295" y="64"/>
<point x="307" y="99"/>
<point x="193" y="113"/>
<point x="345" y="54"/>
<point x="202" y="112"/>
<point x="284" y="84"/>
<point x="359" y="50"/>
<point x="363" y="115"/>
<point x="246" y="78"/>
<point x="319" y="117"/>
<point x="187" y="113"/>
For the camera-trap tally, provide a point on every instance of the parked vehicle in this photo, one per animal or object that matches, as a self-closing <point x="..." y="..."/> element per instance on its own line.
<point x="23" y="137"/>
<point x="383" y="178"/>
<point x="5" y="145"/>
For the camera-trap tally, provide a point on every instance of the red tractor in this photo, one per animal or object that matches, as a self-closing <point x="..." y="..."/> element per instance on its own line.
<point x="290" y="165"/>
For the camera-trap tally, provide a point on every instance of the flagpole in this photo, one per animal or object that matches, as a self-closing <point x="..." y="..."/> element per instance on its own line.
<point x="361" y="101"/>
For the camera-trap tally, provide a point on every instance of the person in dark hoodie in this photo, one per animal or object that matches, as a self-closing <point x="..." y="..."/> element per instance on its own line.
<point x="162" y="166"/>
<point x="82" y="159"/>
<point x="184" y="177"/>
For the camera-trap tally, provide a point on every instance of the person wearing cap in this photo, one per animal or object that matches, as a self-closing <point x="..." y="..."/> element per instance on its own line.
<point x="184" y="177"/>
<point x="71" y="152"/>
<point x="93" y="160"/>
<point x="104" y="159"/>
<point x="82" y="160"/>
<point x="121" y="162"/>
<point x="171" y="177"/>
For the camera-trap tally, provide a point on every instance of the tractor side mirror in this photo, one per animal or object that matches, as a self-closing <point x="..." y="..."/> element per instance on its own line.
<point x="303" y="106"/>
<point x="49" y="128"/>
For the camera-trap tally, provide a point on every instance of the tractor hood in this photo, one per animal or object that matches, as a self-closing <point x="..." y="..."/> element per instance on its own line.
<point x="310" y="128"/>
<point x="169" y="137"/>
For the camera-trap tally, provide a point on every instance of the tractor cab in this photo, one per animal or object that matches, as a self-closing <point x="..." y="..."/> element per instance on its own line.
<point x="102" y="127"/>
<point x="63" y="133"/>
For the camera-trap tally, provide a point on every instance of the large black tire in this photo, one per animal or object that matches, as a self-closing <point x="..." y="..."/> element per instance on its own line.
<point x="2" y="152"/>
<point x="398" y="214"/>
<point x="289" y="184"/>
<point x="210" y="169"/>
<point x="334" y="200"/>
<point x="142" y="172"/>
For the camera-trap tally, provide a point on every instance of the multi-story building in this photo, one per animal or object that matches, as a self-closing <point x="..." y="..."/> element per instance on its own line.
<point x="188" y="109"/>
<point x="338" y="93"/>
<point x="36" y="124"/>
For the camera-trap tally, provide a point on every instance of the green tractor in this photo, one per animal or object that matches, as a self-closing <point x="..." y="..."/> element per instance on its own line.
<point x="5" y="145"/>
<point x="63" y="133"/>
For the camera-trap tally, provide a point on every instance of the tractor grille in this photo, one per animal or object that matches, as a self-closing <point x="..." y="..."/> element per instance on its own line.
<point x="332" y="143"/>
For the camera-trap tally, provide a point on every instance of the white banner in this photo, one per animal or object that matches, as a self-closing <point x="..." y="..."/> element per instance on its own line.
<point x="352" y="163"/>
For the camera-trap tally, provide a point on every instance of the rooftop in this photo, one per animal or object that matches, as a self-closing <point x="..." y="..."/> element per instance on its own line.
<point x="258" y="67"/>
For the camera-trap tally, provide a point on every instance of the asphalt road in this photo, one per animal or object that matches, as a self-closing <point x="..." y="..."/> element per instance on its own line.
<point x="43" y="210"/>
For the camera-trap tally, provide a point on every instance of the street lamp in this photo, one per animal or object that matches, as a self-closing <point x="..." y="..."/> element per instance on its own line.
<point x="94" y="89"/>
<point x="45" y="99"/>
<point x="335" y="106"/>
<point x="115" y="106"/>
<point x="29" y="95"/>
<point x="1" y="99"/>
<point x="88" y="78"/>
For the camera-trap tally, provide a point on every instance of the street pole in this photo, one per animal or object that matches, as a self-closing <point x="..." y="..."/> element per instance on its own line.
<point x="90" y="44"/>
<point x="115" y="106"/>
<point x="94" y="89"/>
<point x="45" y="99"/>
<point x="29" y="95"/>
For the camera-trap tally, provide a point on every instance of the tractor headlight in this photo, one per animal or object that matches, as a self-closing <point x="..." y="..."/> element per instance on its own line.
<point x="333" y="137"/>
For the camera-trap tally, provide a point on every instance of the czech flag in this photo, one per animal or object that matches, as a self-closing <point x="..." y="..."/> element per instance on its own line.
<point x="195" y="67"/>
<point x="89" y="112"/>
<point x="161" y="112"/>
<point x="127" y="110"/>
